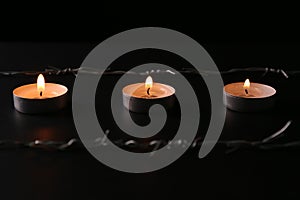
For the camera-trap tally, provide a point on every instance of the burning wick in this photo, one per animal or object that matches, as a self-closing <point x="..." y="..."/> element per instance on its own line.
<point x="148" y="91"/>
<point x="41" y="93"/>
<point x="246" y="86"/>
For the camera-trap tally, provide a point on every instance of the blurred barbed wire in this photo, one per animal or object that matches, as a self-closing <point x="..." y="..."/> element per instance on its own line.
<point x="51" y="70"/>
<point x="230" y="145"/>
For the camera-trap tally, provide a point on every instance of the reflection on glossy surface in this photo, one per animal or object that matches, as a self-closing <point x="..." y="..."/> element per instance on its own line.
<point x="246" y="125"/>
<point x="43" y="127"/>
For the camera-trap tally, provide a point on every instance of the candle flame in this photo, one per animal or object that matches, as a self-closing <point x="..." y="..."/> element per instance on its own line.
<point x="41" y="84"/>
<point x="247" y="84"/>
<point x="148" y="83"/>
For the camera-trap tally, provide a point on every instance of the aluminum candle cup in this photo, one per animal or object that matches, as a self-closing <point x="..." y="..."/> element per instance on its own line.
<point x="32" y="99"/>
<point x="243" y="97"/>
<point x="140" y="97"/>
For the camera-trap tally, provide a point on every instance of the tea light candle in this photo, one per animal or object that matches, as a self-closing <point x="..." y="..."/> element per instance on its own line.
<point x="246" y="97"/>
<point x="40" y="97"/>
<point x="139" y="97"/>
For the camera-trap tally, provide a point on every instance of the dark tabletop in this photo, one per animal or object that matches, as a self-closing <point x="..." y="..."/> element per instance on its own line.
<point x="248" y="173"/>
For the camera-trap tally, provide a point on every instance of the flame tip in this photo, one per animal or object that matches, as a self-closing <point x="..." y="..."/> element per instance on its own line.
<point x="247" y="83"/>
<point x="148" y="82"/>
<point x="40" y="83"/>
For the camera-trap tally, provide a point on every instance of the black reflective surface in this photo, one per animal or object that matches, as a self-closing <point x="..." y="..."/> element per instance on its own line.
<point x="244" y="174"/>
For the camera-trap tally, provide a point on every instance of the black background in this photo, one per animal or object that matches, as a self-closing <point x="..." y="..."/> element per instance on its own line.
<point x="29" y="44"/>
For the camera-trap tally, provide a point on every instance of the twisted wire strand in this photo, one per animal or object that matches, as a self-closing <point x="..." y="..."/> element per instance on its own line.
<point x="231" y="145"/>
<point x="51" y="70"/>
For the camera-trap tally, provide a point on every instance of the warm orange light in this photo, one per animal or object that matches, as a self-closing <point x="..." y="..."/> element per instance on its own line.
<point x="247" y="84"/>
<point x="148" y="83"/>
<point x="41" y="84"/>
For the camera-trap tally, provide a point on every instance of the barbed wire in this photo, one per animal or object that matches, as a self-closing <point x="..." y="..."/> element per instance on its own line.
<point x="230" y="145"/>
<point x="51" y="70"/>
